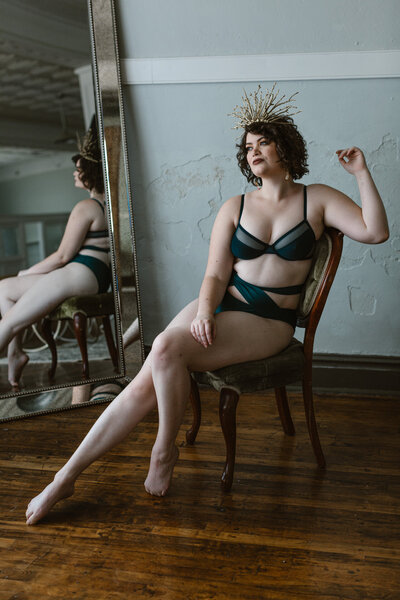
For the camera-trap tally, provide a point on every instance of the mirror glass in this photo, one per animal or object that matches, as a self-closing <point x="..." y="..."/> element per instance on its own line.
<point x="47" y="97"/>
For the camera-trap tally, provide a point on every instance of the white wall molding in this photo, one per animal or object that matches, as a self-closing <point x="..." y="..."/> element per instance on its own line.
<point x="268" y="67"/>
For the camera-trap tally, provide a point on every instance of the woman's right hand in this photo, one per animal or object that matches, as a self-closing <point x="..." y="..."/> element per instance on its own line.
<point x="203" y="329"/>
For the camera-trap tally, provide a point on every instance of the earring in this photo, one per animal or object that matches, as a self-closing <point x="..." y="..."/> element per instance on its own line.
<point x="287" y="176"/>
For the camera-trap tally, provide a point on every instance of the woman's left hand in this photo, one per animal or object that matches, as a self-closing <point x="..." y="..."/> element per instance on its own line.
<point x="203" y="329"/>
<point x="352" y="159"/>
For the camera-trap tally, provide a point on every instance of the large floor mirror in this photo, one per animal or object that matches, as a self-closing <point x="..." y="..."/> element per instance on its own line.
<point x="59" y="77"/>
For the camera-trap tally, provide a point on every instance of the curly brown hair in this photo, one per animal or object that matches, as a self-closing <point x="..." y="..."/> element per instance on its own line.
<point x="90" y="173"/>
<point x="290" y="146"/>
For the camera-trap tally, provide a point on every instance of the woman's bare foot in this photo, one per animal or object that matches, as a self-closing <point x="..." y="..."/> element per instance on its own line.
<point x="16" y="364"/>
<point x="39" y="506"/>
<point x="160" y="472"/>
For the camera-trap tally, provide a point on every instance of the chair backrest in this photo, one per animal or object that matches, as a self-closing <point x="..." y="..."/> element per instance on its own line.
<point x="320" y="278"/>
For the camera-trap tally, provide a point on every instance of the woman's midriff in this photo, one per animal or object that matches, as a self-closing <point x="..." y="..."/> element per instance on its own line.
<point x="272" y="271"/>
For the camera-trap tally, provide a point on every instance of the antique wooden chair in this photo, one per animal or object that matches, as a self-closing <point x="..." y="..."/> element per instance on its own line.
<point x="79" y="309"/>
<point x="289" y="366"/>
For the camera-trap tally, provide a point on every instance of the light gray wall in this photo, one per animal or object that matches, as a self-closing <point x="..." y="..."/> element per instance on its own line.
<point x="223" y="27"/>
<point x="182" y="149"/>
<point x="41" y="193"/>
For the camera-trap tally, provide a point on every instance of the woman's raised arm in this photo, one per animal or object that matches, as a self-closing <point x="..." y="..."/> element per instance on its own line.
<point x="368" y="223"/>
<point x="218" y="272"/>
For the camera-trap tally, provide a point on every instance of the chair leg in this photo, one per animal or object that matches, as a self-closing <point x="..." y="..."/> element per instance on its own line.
<point x="48" y="336"/>
<point x="284" y="410"/>
<point x="110" y="340"/>
<point x="227" y="413"/>
<point x="80" y="334"/>
<point x="311" y="423"/>
<point x="191" y="433"/>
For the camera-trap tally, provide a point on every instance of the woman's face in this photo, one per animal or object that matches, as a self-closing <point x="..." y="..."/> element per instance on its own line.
<point x="262" y="155"/>
<point x="77" y="176"/>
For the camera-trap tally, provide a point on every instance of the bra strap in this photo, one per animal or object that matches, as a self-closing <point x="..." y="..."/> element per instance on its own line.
<point x="98" y="202"/>
<point x="305" y="203"/>
<point x="241" y="208"/>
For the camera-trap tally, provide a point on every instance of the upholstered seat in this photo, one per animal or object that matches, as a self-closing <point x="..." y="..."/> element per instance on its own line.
<point x="292" y="365"/>
<point x="78" y="309"/>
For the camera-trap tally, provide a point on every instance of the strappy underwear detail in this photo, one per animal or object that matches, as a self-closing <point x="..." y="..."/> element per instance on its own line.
<point x="258" y="302"/>
<point x="102" y="232"/>
<point x="101" y="270"/>
<point x="296" y="244"/>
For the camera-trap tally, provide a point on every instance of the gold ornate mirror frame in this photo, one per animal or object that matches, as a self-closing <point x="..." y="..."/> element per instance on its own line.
<point x="111" y="126"/>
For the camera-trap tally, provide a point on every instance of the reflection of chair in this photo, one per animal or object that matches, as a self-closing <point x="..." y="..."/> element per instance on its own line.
<point x="79" y="309"/>
<point x="289" y="366"/>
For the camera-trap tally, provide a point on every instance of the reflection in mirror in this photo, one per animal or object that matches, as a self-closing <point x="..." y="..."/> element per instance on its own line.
<point x="40" y="116"/>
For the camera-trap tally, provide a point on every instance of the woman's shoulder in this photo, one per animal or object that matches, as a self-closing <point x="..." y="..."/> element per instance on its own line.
<point x="321" y="190"/>
<point x="231" y="207"/>
<point x="86" y="206"/>
<point x="322" y="195"/>
<point x="232" y="203"/>
<point x="229" y="211"/>
<point x="86" y="203"/>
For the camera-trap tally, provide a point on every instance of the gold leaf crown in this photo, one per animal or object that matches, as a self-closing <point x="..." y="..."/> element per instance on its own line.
<point x="89" y="146"/>
<point x="260" y="108"/>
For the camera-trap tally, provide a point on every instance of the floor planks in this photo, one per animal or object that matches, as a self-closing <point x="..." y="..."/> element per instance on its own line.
<point x="287" y="530"/>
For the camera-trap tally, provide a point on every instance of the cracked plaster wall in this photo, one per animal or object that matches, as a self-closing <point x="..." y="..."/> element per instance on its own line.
<point x="183" y="166"/>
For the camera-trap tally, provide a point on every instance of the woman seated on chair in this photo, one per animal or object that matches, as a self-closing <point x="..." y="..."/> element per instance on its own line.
<point x="261" y="248"/>
<point x="80" y="266"/>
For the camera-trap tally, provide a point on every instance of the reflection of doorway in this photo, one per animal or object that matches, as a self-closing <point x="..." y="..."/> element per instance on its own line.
<point x="27" y="239"/>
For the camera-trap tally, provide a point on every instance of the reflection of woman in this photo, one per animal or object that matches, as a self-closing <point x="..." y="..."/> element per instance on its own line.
<point x="79" y="266"/>
<point x="260" y="254"/>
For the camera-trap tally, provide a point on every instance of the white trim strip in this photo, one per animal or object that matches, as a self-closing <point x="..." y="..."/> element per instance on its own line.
<point x="267" y="67"/>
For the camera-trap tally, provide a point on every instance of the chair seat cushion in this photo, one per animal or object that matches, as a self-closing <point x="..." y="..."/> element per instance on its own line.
<point x="257" y="375"/>
<point x="94" y="305"/>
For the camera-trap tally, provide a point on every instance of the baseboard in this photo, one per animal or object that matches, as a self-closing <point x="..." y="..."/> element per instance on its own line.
<point x="356" y="373"/>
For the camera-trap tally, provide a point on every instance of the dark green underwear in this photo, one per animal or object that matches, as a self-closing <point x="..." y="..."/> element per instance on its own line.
<point x="258" y="302"/>
<point x="98" y="267"/>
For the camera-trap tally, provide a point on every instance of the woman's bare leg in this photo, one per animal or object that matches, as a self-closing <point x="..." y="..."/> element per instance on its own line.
<point x="115" y="423"/>
<point x="39" y="294"/>
<point x="10" y="292"/>
<point x="164" y="381"/>
<point x="17" y="360"/>
<point x="171" y="381"/>
<point x="81" y="393"/>
<point x="240" y="337"/>
<point x="131" y="334"/>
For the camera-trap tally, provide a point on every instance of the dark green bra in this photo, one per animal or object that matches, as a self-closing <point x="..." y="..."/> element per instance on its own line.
<point x="297" y="244"/>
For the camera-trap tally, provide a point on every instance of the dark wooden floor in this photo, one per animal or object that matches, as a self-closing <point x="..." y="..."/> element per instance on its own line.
<point x="286" y="531"/>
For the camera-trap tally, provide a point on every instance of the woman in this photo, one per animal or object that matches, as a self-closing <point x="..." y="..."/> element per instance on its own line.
<point x="79" y="266"/>
<point x="265" y="238"/>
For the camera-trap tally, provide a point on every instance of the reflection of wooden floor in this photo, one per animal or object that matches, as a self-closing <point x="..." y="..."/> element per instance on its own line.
<point x="68" y="373"/>
<point x="35" y="374"/>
